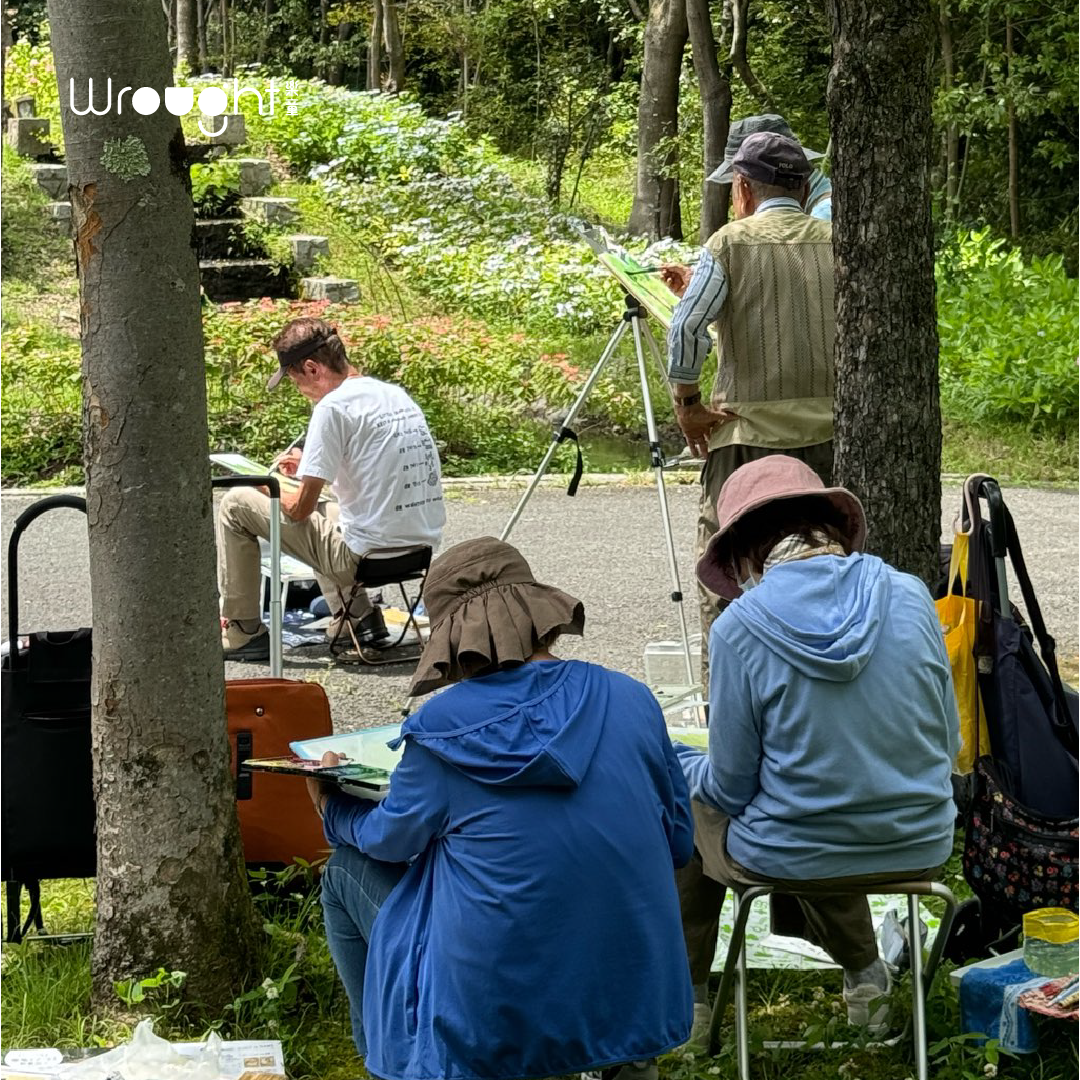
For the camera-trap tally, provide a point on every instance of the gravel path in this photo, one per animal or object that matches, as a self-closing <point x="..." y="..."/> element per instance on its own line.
<point x="606" y="546"/>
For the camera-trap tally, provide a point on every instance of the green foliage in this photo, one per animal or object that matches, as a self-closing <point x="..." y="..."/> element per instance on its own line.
<point x="158" y="989"/>
<point x="215" y="187"/>
<point x="40" y="402"/>
<point x="29" y="247"/>
<point x="30" y="70"/>
<point x="475" y="389"/>
<point x="1008" y="332"/>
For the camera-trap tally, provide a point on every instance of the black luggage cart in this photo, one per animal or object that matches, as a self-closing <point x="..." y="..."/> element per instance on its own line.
<point x="45" y="758"/>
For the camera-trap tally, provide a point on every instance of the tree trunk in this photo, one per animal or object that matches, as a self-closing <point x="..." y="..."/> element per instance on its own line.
<point x="269" y="10"/>
<point x="171" y="888"/>
<point x="952" y="134"/>
<point x="888" y="416"/>
<point x="322" y="64"/>
<point x="7" y="41"/>
<point x="655" y="211"/>
<point x="339" y="67"/>
<point x="202" y="14"/>
<point x="170" y="22"/>
<point x="1014" y="169"/>
<point x="226" y="37"/>
<point x="374" y="53"/>
<point x="187" y="35"/>
<point x="715" y="91"/>
<point x="394" y="49"/>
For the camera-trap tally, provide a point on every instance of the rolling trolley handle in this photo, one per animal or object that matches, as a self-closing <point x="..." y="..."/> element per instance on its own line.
<point x="274" y="487"/>
<point x="31" y="513"/>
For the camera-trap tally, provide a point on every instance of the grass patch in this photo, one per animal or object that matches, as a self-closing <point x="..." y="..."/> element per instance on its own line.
<point x="1010" y="452"/>
<point x="45" y="995"/>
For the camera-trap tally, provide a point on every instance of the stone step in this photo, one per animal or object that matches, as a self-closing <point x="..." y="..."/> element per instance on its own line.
<point x="51" y="178"/>
<point x="270" y="211"/>
<point x="336" y="290"/>
<point x="307" y="248"/>
<point x="222" y="238"/>
<point x="60" y="214"/>
<point x="27" y="135"/>
<point x="256" y="175"/>
<point x="234" y="133"/>
<point x="242" y="279"/>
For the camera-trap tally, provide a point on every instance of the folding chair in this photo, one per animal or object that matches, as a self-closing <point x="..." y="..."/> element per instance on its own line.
<point x="377" y="569"/>
<point x="734" y="974"/>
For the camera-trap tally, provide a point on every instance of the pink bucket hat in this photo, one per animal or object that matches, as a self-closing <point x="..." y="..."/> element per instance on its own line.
<point x="753" y="486"/>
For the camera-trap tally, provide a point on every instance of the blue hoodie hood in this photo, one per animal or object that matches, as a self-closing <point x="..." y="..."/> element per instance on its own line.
<point x="537" y="725"/>
<point x="822" y="615"/>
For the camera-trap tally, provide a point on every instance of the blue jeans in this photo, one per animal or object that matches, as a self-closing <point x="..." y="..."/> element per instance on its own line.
<point x="354" y="887"/>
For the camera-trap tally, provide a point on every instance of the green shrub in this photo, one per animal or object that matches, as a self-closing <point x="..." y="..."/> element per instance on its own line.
<point x="30" y="70"/>
<point x="29" y="246"/>
<point x="443" y="210"/>
<point x="478" y="392"/>
<point x="215" y="187"/>
<point x="40" y="403"/>
<point x="1008" y="334"/>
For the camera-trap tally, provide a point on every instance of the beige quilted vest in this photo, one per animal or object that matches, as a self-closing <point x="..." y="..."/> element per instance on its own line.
<point x="775" y="331"/>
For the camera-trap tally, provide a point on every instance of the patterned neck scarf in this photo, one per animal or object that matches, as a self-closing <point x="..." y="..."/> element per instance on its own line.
<point x="794" y="548"/>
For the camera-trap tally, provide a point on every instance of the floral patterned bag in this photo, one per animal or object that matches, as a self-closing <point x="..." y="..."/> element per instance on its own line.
<point x="1014" y="858"/>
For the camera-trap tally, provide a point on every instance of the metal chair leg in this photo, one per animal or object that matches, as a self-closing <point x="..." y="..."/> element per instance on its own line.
<point x="742" y="1027"/>
<point x="918" y="996"/>
<point x="743" y="902"/>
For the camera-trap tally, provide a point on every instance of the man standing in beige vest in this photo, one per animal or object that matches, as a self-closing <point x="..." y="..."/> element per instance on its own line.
<point x="766" y="281"/>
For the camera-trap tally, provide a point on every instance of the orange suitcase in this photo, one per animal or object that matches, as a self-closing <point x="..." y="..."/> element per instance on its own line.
<point x="277" y="822"/>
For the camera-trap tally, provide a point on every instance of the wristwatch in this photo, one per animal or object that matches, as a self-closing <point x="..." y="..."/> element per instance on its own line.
<point x="686" y="402"/>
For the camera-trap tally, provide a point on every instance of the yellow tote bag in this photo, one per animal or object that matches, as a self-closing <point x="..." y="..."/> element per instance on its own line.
<point x="959" y="617"/>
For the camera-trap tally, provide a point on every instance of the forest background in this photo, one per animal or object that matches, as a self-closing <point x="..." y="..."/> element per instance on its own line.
<point x="448" y="151"/>
<point x="454" y="203"/>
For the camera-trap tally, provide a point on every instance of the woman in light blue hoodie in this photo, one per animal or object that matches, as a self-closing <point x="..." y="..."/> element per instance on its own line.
<point x="833" y="722"/>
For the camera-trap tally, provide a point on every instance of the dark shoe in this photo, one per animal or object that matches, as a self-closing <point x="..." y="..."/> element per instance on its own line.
<point x="238" y="644"/>
<point x="369" y="630"/>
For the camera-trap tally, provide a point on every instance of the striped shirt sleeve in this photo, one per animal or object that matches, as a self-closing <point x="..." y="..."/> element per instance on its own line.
<point x="688" y="338"/>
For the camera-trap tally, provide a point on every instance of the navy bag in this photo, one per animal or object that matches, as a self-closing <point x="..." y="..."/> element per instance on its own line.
<point x="1031" y="717"/>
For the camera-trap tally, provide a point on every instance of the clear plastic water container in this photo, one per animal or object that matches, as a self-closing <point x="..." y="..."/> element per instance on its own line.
<point x="665" y="666"/>
<point x="1051" y="942"/>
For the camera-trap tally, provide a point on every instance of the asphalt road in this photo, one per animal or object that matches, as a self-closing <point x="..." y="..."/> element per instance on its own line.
<point x="606" y="546"/>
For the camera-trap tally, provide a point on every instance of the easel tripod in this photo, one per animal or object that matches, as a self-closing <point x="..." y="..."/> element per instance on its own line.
<point x="633" y="318"/>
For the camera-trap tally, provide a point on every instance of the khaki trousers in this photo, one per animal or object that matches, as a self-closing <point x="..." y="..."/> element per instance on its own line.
<point x="244" y="517"/>
<point x="719" y="465"/>
<point x="837" y="922"/>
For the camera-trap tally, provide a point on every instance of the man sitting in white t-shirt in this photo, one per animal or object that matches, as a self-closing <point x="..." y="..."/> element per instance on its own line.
<point x="371" y="441"/>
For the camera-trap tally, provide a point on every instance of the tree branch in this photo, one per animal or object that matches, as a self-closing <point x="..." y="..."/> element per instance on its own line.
<point x="737" y="56"/>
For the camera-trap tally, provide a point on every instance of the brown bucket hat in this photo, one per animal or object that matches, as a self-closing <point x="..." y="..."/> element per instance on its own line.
<point x="753" y="486"/>
<point x="486" y="610"/>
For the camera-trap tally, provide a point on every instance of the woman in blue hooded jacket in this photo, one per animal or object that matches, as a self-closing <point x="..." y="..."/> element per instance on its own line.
<point x="509" y="910"/>
<point x="833" y="722"/>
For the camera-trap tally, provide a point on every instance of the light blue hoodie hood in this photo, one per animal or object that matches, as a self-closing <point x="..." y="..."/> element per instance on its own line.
<point x="833" y="723"/>
<point x="546" y="738"/>
<point x="822" y="615"/>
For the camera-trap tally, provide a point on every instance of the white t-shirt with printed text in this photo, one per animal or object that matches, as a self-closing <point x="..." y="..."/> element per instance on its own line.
<point x="371" y="441"/>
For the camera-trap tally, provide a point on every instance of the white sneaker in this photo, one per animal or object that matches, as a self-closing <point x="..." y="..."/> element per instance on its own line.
<point x="699" y="1030"/>
<point x="868" y="1006"/>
